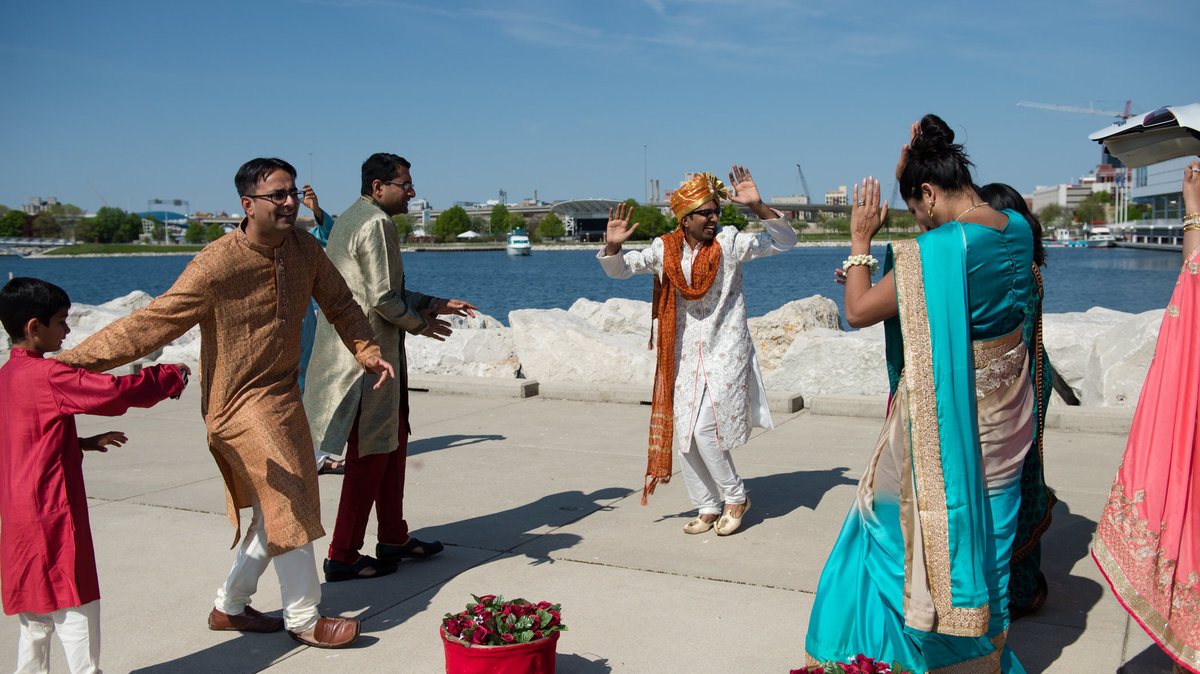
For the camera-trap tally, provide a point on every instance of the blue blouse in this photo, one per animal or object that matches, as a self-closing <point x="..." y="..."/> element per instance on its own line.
<point x="999" y="281"/>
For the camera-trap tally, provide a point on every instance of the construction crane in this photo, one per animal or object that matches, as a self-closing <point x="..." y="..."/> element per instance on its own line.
<point x="1090" y="110"/>
<point x="804" y="183"/>
<point x="102" y="200"/>
<point x="1122" y="190"/>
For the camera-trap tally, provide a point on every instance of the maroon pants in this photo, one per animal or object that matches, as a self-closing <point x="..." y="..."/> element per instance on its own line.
<point x="373" y="479"/>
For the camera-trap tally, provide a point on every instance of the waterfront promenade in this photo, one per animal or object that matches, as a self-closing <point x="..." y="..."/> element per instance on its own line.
<point x="539" y="498"/>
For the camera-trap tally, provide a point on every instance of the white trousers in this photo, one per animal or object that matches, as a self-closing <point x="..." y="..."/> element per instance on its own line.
<point x="707" y="471"/>
<point x="299" y="585"/>
<point x="78" y="629"/>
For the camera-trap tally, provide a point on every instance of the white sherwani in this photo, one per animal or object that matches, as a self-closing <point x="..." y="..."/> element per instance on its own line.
<point x="712" y="344"/>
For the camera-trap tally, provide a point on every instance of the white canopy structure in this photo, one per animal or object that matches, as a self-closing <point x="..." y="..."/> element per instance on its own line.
<point x="1163" y="134"/>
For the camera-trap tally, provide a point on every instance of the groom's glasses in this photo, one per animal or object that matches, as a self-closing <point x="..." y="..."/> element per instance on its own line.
<point x="707" y="213"/>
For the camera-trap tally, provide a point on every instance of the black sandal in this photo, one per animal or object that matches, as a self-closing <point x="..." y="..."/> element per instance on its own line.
<point x="336" y="571"/>
<point x="331" y="466"/>
<point x="413" y="549"/>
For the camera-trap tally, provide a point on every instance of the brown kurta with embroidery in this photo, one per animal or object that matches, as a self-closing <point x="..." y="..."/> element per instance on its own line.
<point x="249" y="301"/>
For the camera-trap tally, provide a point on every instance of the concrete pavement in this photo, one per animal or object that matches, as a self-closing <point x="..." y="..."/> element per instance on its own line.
<point x="539" y="498"/>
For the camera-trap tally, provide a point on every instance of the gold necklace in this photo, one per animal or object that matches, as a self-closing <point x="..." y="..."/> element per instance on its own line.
<point x="960" y="215"/>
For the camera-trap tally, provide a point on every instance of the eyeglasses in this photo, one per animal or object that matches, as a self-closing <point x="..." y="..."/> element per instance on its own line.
<point x="707" y="213"/>
<point x="404" y="184"/>
<point x="278" y="197"/>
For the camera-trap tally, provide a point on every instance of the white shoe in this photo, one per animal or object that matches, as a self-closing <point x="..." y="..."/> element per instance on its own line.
<point x="729" y="524"/>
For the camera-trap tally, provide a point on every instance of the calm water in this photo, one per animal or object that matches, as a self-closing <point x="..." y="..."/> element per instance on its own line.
<point x="1076" y="278"/>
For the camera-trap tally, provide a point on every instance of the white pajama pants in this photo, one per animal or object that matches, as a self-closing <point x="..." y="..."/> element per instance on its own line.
<point x="299" y="585"/>
<point x="78" y="629"/>
<point x="708" y="472"/>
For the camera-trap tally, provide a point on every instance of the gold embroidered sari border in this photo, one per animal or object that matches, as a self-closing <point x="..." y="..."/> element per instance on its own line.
<point x="985" y="664"/>
<point x="926" y="445"/>
<point x="1142" y="611"/>
<point x="987" y="350"/>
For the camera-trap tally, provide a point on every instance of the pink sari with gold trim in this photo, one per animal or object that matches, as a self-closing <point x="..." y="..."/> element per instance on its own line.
<point x="1147" y="542"/>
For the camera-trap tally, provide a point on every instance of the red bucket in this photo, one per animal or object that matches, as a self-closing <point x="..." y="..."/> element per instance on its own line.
<point x="535" y="657"/>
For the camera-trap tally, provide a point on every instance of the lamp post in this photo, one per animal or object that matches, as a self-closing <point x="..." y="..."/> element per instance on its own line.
<point x="645" y="176"/>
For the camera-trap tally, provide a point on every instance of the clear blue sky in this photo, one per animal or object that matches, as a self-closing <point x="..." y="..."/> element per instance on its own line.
<point x="132" y="101"/>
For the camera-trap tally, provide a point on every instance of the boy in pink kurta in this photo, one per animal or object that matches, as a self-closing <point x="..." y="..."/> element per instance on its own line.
<point x="47" y="563"/>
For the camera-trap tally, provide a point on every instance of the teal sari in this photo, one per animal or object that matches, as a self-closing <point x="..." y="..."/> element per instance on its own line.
<point x="920" y="571"/>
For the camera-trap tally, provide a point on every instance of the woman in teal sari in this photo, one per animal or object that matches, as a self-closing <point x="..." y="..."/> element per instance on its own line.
<point x="919" y="573"/>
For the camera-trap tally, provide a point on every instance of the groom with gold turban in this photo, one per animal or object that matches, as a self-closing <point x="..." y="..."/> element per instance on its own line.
<point x="708" y="390"/>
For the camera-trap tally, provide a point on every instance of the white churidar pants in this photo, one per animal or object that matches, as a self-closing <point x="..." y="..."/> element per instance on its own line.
<point x="299" y="585"/>
<point x="707" y="471"/>
<point x="78" y="629"/>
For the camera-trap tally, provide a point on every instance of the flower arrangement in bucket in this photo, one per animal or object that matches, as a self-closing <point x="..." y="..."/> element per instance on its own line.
<point x="497" y="636"/>
<point x="861" y="664"/>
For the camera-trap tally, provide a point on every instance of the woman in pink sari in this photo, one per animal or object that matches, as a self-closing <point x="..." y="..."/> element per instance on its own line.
<point x="1147" y="542"/>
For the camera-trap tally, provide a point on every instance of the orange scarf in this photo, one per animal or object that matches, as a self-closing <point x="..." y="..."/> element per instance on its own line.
<point x="662" y="410"/>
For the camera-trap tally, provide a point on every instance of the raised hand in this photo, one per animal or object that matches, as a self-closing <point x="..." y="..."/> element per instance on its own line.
<point x="744" y="191"/>
<point x="1191" y="187"/>
<point x="912" y="135"/>
<point x="742" y="188"/>
<point x="456" y="307"/>
<point x="101" y="443"/>
<point x="310" y="200"/>
<point x="619" y="229"/>
<point x="866" y="217"/>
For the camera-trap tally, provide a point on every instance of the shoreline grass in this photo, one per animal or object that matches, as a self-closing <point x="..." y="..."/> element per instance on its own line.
<point x="123" y="249"/>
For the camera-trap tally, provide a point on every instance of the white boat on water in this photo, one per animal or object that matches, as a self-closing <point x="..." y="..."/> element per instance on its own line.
<point x="518" y="242"/>
<point x="1101" y="237"/>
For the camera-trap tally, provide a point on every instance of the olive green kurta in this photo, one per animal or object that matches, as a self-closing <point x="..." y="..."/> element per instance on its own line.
<point x="250" y="301"/>
<point x="365" y="248"/>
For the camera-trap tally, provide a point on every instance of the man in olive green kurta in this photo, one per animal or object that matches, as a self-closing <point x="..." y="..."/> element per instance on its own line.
<point x="365" y="247"/>
<point x="249" y="291"/>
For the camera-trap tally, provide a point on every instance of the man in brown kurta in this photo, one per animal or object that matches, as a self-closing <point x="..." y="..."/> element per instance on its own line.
<point x="342" y="410"/>
<point x="249" y="291"/>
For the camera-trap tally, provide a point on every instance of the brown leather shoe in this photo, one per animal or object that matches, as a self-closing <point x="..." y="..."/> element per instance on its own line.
<point x="247" y="621"/>
<point x="329" y="633"/>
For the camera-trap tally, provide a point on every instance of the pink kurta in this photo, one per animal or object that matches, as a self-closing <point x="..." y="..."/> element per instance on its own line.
<point x="46" y="557"/>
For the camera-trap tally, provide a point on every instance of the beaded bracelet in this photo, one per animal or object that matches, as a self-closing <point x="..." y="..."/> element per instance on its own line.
<point x="1192" y="216"/>
<point x="867" y="261"/>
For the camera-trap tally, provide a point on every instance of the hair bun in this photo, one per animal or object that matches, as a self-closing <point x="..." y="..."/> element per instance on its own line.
<point x="935" y="134"/>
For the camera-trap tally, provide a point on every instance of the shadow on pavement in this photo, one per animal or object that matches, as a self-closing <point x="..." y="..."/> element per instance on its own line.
<point x="577" y="664"/>
<point x="501" y="531"/>
<point x="780" y="494"/>
<point x="508" y="529"/>
<point x="1150" y="661"/>
<point x="1069" y="597"/>
<point x="447" y="441"/>
<point x="243" y="652"/>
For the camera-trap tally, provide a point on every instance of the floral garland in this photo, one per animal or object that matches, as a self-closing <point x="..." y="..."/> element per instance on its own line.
<point x="867" y="261"/>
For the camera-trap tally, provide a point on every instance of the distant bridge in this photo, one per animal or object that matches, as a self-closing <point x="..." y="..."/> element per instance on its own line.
<point x="586" y="218"/>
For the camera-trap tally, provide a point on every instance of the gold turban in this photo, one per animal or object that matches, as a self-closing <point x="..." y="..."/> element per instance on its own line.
<point x="701" y="189"/>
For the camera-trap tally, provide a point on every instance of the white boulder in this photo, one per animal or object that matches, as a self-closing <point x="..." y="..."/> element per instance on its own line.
<point x="616" y="315"/>
<point x="556" y="345"/>
<point x="478" y="347"/>
<point x="479" y="320"/>
<point x="1069" y="339"/>
<point x="824" y="361"/>
<point x="774" y="332"/>
<point x="1119" y="360"/>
